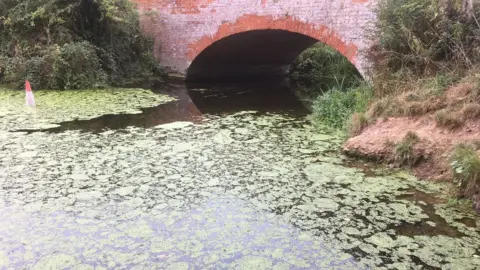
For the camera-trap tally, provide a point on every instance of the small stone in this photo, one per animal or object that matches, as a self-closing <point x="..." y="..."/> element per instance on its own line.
<point x="84" y="267"/>
<point x="325" y="204"/>
<point x="254" y="262"/>
<point x="144" y="188"/>
<point x="382" y="240"/>
<point x="241" y="131"/>
<point x="268" y="174"/>
<point x="33" y="207"/>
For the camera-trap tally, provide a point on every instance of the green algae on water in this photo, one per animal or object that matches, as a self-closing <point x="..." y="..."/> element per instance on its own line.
<point x="54" y="107"/>
<point x="246" y="190"/>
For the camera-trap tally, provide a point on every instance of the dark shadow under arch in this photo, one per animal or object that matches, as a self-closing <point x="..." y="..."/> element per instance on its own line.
<point x="257" y="54"/>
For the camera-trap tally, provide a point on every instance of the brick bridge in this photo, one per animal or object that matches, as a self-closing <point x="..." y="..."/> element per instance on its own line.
<point x="229" y="38"/>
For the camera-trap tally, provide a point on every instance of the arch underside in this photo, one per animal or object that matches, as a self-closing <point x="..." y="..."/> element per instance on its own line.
<point x="250" y="54"/>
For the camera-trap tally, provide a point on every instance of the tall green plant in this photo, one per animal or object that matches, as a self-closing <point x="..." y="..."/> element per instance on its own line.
<point x="335" y="107"/>
<point x="321" y="68"/>
<point x="425" y="36"/>
<point x="466" y="166"/>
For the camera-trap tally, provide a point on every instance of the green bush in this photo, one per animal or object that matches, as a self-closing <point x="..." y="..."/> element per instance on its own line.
<point x="335" y="107"/>
<point x="77" y="66"/>
<point x="466" y="166"/>
<point x="404" y="152"/>
<point x="425" y="36"/>
<point x="73" y="44"/>
<point x="321" y="68"/>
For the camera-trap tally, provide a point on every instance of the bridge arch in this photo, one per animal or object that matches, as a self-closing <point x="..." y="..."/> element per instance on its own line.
<point x="259" y="46"/>
<point x="185" y="30"/>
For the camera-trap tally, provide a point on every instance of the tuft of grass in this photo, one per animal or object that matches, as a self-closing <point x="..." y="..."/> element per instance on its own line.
<point x="383" y="107"/>
<point x="404" y="152"/>
<point x="409" y="104"/>
<point x="475" y="94"/>
<point x="357" y="123"/>
<point x="466" y="167"/>
<point x="416" y="108"/>
<point x="475" y="144"/>
<point x="448" y="119"/>
<point x="437" y="84"/>
<point x="389" y="144"/>
<point x="471" y="111"/>
<point x="335" y="107"/>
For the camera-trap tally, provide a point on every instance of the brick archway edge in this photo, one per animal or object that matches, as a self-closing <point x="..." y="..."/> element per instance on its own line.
<point x="288" y="23"/>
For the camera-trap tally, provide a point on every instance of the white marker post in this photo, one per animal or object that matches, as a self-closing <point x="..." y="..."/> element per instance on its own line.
<point x="29" y="99"/>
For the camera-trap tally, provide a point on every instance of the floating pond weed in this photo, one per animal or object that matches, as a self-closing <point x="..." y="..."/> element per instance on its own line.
<point x="243" y="190"/>
<point x="54" y="107"/>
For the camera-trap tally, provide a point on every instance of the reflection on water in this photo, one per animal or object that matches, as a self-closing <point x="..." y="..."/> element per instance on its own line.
<point x="183" y="109"/>
<point x="195" y="100"/>
<point x="219" y="98"/>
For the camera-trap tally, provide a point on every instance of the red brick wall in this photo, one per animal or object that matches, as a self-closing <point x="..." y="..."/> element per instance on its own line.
<point x="182" y="29"/>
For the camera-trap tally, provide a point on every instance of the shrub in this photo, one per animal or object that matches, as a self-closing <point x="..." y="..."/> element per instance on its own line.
<point x="77" y="66"/>
<point x="73" y="44"/>
<point x="335" y="107"/>
<point x="439" y="83"/>
<point x="425" y="36"/>
<point x="16" y="67"/>
<point x="380" y="107"/>
<point x="358" y="121"/>
<point x="448" y="119"/>
<point x="466" y="167"/>
<point x="404" y="152"/>
<point x="415" y="108"/>
<point x="471" y="111"/>
<point x="39" y="71"/>
<point x="321" y="68"/>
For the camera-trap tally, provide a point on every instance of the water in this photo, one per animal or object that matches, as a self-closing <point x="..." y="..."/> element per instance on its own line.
<point x="225" y="177"/>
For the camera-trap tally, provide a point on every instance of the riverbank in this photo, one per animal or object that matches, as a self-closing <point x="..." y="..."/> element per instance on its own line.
<point x="424" y="133"/>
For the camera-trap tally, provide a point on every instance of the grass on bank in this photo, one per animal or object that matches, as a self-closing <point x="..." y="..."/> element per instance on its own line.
<point x="343" y="109"/>
<point x="466" y="165"/>
<point x="404" y="151"/>
<point x="332" y="87"/>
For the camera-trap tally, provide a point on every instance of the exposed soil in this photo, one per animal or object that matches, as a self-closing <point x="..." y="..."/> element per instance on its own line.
<point x="434" y="147"/>
<point x="377" y="141"/>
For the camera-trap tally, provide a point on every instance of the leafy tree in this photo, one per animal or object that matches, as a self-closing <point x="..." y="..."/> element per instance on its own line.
<point x="67" y="44"/>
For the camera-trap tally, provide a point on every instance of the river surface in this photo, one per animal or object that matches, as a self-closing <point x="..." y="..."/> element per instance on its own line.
<point x="214" y="177"/>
